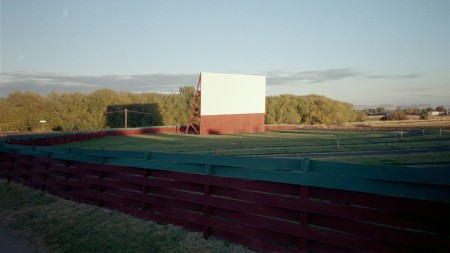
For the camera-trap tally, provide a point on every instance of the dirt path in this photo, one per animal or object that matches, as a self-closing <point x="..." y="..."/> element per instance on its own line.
<point x="15" y="242"/>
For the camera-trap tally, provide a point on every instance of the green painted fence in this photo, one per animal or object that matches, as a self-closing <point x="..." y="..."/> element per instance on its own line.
<point x="407" y="182"/>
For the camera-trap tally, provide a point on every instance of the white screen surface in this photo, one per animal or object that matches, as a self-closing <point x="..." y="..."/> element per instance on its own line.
<point x="232" y="94"/>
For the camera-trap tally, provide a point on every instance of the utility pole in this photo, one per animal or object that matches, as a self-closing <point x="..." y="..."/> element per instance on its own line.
<point x="126" y="118"/>
<point x="42" y="121"/>
<point x="281" y="116"/>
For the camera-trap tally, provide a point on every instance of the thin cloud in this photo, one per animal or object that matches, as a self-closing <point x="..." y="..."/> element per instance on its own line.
<point x="409" y="76"/>
<point x="316" y="76"/>
<point x="421" y="89"/>
<point x="45" y="83"/>
<point x="321" y="76"/>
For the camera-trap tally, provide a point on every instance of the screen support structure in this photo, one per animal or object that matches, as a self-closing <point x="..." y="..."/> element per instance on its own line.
<point x="195" y="109"/>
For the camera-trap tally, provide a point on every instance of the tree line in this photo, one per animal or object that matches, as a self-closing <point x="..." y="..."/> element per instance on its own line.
<point x="406" y="110"/>
<point x="310" y="109"/>
<point x="402" y="113"/>
<point x="105" y="108"/>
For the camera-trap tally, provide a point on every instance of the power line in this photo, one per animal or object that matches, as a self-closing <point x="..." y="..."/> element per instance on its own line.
<point x="129" y="111"/>
<point x="126" y="114"/>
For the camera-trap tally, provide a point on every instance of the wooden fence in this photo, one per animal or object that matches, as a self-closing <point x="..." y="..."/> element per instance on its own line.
<point x="69" y="137"/>
<point x="267" y="204"/>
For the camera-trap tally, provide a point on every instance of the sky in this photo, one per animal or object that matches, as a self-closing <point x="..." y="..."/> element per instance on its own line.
<point x="364" y="52"/>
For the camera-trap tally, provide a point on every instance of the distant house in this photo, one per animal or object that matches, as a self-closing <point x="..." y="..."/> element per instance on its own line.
<point x="436" y="113"/>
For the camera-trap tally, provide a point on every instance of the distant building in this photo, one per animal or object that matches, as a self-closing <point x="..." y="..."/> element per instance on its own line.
<point x="436" y="113"/>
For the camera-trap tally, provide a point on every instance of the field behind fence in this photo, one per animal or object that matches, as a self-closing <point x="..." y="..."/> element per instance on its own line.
<point x="266" y="204"/>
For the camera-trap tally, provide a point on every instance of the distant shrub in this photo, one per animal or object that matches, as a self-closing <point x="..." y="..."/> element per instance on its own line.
<point x="398" y="115"/>
<point x="423" y="117"/>
<point x="58" y="128"/>
<point x="360" y="116"/>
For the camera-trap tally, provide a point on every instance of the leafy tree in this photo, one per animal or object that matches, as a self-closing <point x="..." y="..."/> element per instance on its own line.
<point x="360" y="116"/>
<point x="311" y="109"/>
<point x="272" y="105"/>
<point x="22" y="111"/>
<point x="188" y="93"/>
<point x="428" y="109"/>
<point x="29" y="109"/>
<point x="398" y="114"/>
<point x="441" y="109"/>
<point x="380" y="110"/>
<point x="411" y="111"/>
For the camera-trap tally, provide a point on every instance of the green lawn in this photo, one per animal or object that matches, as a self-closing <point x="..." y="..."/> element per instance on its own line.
<point x="410" y="147"/>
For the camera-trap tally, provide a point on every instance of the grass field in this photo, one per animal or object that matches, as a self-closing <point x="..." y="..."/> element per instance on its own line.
<point x="405" y="147"/>
<point x="56" y="225"/>
<point x="413" y="122"/>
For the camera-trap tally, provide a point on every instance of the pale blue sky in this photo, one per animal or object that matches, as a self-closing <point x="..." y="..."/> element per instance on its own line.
<point x="360" y="51"/>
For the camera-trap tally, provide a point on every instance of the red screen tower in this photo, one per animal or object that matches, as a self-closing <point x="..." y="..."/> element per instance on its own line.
<point x="228" y="103"/>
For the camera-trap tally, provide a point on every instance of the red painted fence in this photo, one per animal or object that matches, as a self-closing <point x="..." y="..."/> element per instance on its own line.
<point x="280" y="127"/>
<point x="50" y="140"/>
<point x="261" y="215"/>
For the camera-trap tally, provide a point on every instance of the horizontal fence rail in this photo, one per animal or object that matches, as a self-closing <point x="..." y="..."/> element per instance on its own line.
<point x="69" y="137"/>
<point x="408" y="182"/>
<point x="267" y="204"/>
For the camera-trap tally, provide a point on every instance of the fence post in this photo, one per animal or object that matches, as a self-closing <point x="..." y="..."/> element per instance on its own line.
<point x="68" y="175"/>
<point x="46" y="174"/>
<point x="145" y="188"/>
<point x="145" y="174"/>
<point x="304" y="194"/>
<point x="28" y="169"/>
<point x="207" y="194"/>
<point x="12" y="168"/>
<point x="101" y="176"/>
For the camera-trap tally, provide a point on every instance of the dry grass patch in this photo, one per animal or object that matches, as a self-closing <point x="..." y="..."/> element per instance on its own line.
<point x="65" y="226"/>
